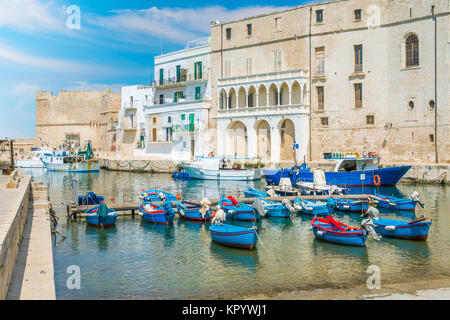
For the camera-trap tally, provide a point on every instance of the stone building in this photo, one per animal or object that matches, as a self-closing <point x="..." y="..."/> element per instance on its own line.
<point x="338" y="76"/>
<point x="72" y="116"/>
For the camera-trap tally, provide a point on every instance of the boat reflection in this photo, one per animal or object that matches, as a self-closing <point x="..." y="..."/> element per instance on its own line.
<point x="229" y="257"/>
<point x="102" y="235"/>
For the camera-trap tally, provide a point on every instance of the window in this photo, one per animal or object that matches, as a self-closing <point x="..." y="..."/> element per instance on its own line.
<point x="249" y="29"/>
<point x="169" y="134"/>
<point x="320" y="98"/>
<point x="358" y="95"/>
<point x="249" y="65"/>
<point x="277" y="60"/>
<point x="177" y="96"/>
<point x="169" y="119"/>
<point x="370" y="119"/>
<point x="198" y="70"/>
<point x="178" y="73"/>
<point x="250" y="100"/>
<point x="431" y="137"/>
<point x="154" y="120"/>
<point x="358" y="58"/>
<point x="183" y="117"/>
<point x="154" y="136"/>
<point x="131" y="101"/>
<point x="411" y="105"/>
<point x="358" y="15"/>
<point x="412" y="51"/>
<point x="320" y="61"/>
<point x="324" y="121"/>
<point x="319" y="16"/>
<point x="228" y="33"/>
<point x="431" y="104"/>
<point x="278" y="24"/>
<point x="197" y="93"/>
<point x="191" y="122"/>
<point x="161" y="99"/>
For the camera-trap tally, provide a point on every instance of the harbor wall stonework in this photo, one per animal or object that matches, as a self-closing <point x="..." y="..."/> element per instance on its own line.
<point x="13" y="214"/>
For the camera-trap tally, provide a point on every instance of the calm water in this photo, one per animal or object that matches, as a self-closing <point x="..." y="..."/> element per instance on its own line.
<point x="137" y="260"/>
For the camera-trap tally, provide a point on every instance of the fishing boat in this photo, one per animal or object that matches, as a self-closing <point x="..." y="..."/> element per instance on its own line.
<point x="328" y="229"/>
<point x="191" y="211"/>
<point x="33" y="159"/>
<point x="273" y="176"/>
<point x="154" y="213"/>
<point x="236" y="210"/>
<point x="78" y="161"/>
<point x="411" y="230"/>
<point x="154" y="196"/>
<point x="99" y="217"/>
<point x="394" y="203"/>
<point x="90" y="199"/>
<point x="319" y="186"/>
<point x="234" y="236"/>
<point x="270" y="208"/>
<point x="315" y="208"/>
<point x="349" y="171"/>
<point x="181" y="175"/>
<point x="216" y="168"/>
<point x="348" y="205"/>
<point x="253" y="193"/>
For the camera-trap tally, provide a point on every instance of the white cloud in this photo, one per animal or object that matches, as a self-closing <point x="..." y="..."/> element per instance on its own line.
<point x="175" y="24"/>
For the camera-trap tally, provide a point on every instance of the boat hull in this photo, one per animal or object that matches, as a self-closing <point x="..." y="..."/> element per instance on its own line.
<point x="253" y="193"/>
<point x="395" y="203"/>
<point x="192" y="212"/>
<point x="158" y="216"/>
<point x="210" y="174"/>
<point x="278" y="212"/>
<point x="403" y="229"/>
<point x="355" y="241"/>
<point x="234" y="236"/>
<point x="388" y="177"/>
<point x="88" y="166"/>
<point x="350" y="205"/>
<point x="96" y="220"/>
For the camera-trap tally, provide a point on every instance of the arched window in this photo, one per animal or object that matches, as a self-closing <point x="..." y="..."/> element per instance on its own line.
<point x="412" y="51"/>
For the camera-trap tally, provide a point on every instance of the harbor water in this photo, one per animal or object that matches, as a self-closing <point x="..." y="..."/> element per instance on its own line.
<point x="138" y="260"/>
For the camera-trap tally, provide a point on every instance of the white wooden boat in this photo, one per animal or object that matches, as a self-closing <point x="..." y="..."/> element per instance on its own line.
<point x="212" y="168"/>
<point x="34" y="158"/>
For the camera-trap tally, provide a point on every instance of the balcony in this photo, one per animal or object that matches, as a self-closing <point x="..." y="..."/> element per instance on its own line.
<point x="260" y="77"/>
<point x="263" y="111"/>
<point x="184" y="80"/>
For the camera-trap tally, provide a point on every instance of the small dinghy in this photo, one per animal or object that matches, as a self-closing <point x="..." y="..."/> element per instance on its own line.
<point x="193" y="211"/>
<point x="328" y="229"/>
<point x="101" y="216"/>
<point x="315" y="208"/>
<point x="253" y="193"/>
<point x="154" y="213"/>
<point x="234" y="236"/>
<point x="236" y="210"/>
<point x="154" y="196"/>
<point x="412" y="230"/>
<point x="389" y="202"/>
<point x="270" y="208"/>
<point x="348" y="205"/>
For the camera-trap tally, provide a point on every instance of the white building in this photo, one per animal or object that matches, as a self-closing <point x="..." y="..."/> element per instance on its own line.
<point x="170" y="118"/>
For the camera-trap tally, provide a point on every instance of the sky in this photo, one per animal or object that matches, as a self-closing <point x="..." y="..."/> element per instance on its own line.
<point x="54" y="45"/>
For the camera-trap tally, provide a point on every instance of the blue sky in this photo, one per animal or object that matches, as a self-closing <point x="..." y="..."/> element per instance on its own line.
<point x="114" y="47"/>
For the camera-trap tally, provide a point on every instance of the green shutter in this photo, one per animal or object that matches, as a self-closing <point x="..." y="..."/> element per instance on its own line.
<point x="200" y="70"/>
<point x="175" y="97"/>
<point x="183" y="117"/>
<point x="191" y="121"/>
<point x="197" y="93"/>
<point x="195" y="71"/>
<point x="161" y="76"/>
<point x="178" y="73"/>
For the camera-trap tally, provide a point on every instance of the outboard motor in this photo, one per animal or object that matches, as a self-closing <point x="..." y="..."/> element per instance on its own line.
<point x="367" y="224"/>
<point x="219" y="217"/>
<point x="289" y="206"/>
<point x="258" y="205"/>
<point x="415" y="197"/>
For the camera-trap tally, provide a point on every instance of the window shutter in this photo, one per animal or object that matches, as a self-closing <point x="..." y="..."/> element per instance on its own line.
<point x="200" y="70"/>
<point x="175" y="97"/>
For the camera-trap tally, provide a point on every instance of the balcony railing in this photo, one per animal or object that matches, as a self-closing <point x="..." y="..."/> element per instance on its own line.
<point x="172" y="81"/>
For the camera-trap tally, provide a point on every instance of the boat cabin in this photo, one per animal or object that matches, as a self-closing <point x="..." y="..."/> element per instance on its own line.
<point x="353" y="163"/>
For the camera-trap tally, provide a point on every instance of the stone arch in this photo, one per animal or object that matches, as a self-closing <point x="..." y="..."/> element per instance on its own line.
<point x="242" y="94"/>
<point x="284" y="94"/>
<point x="232" y="99"/>
<point x="273" y="95"/>
<point x="295" y="93"/>
<point x="237" y="139"/>
<point x="262" y="96"/>
<point x="223" y="100"/>
<point x="411" y="49"/>
<point x="287" y="137"/>
<point x="251" y="100"/>
<point x="263" y="138"/>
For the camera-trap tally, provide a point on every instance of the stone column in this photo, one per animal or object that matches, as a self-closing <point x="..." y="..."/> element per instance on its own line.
<point x="290" y="96"/>
<point x="279" y="95"/>
<point x="246" y="100"/>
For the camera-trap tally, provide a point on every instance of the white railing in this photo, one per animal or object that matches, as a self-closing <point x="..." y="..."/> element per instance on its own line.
<point x="269" y="76"/>
<point x="265" y="110"/>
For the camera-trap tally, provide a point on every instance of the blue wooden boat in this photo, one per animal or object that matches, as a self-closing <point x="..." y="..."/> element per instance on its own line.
<point x="412" y="230"/>
<point x="191" y="211"/>
<point x="154" y="213"/>
<point x="315" y="208"/>
<point x="271" y="208"/>
<point x="347" y="172"/>
<point x="236" y="210"/>
<point x="348" y="205"/>
<point x="90" y="199"/>
<point x="394" y="203"/>
<point x="234" y="236"/>
<point x="253" y="193"/>
<point x="153" y="195"/>
<point x="96" y="218"/>
<point x="181" y="175"/>
<point x="328" y="229"/>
